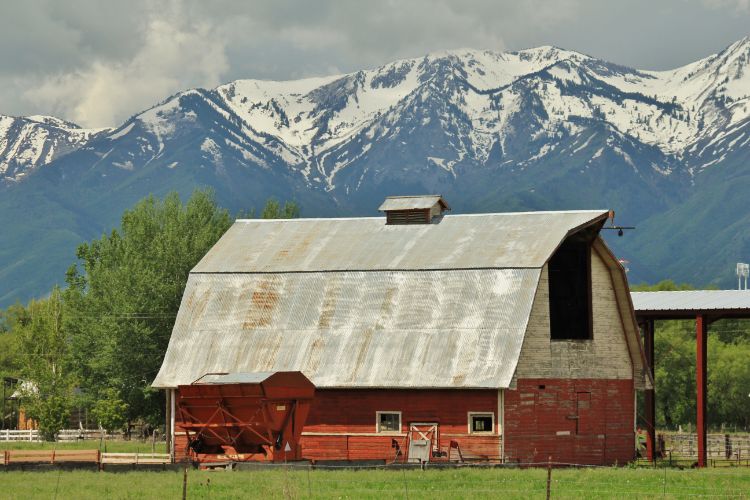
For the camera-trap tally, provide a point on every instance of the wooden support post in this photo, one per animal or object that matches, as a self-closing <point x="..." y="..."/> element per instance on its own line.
<point x="649" y="399"/>
<point x="168" y="420"/>
<point x="701" y="334"/>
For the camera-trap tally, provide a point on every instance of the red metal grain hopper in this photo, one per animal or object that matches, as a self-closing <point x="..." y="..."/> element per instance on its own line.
<point x="244" y="416"/>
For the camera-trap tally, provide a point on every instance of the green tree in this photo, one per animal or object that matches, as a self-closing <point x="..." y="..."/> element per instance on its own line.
<point x="9" y="357"/>
<point x="662" y="286"/>
<point x="275" y="210"/>
<point x="43" y="354"/>
<point x="110" y="411"/>
<point x="124" y="293"/>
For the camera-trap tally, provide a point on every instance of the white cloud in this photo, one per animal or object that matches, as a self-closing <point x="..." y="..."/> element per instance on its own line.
<point x="175" y="55"/>
<point x="97" y="62"/>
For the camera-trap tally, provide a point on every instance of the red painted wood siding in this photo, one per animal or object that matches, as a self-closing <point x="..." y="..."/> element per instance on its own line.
<point x="338" y="419"/>
<point x="587" y="421"/>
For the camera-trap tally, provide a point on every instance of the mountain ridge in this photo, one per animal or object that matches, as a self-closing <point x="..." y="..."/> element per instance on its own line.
<point x="541" y="128"/>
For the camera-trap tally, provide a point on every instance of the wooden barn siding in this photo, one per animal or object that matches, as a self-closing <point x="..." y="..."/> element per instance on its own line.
<point x="606" y="356"/>
<point x="341" y="424"/>
<point x="180" y="444"/>
<point x="536" y="421"/>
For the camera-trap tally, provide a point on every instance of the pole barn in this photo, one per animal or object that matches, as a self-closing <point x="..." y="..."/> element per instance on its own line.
<point x="427" y="337"/>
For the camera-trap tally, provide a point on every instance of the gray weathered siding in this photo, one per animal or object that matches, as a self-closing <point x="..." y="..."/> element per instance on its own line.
<point x="606" y="356"/>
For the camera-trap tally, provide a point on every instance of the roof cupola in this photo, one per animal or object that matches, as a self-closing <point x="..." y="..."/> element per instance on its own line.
<point x="413" y="209"/>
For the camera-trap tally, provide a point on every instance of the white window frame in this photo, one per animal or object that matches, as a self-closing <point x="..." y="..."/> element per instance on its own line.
<point x="390" y="412"/>
<point x="481" y="414"/>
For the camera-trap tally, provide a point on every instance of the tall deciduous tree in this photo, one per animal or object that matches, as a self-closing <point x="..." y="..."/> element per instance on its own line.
<point x="124" y="293"/>
<point x="43" y="348"/>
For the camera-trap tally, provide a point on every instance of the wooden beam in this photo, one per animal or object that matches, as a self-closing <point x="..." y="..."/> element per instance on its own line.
<point x="650" y="399"/>
<point x="701" y="334"/>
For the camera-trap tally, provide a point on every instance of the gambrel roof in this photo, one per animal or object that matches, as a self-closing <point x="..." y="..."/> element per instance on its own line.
<point x="356" y="303"/>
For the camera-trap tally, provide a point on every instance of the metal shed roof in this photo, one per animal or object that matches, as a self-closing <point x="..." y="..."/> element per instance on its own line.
<point x="512" y="240"/>
<point x="691" y="300"/>
<point x="412" y="202"/>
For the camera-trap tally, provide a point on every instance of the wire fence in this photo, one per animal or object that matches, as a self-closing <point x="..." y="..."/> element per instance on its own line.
<point x="537" y="480"/>
<point x="719" y="447"/>
<point x="470" y="480"/>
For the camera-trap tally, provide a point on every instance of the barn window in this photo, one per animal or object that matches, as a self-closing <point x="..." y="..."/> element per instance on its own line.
<point x="388" y="421"/>
<point x="570" y="291"/>
<point x="481" y="423"/>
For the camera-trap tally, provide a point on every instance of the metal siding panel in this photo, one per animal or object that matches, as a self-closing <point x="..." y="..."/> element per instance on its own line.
<point x="456" y="328"/>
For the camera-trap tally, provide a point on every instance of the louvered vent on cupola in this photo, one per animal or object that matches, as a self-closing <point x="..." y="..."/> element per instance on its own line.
<point x="413" y="209"/>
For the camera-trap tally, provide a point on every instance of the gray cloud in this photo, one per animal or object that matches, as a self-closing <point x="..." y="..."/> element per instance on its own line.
<point x="98" y="62"/>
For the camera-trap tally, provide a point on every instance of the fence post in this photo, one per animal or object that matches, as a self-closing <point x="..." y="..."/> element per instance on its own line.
<point x="549" y="475"/>
<point x="184" y="484"/>
<point x="727" y="446"/>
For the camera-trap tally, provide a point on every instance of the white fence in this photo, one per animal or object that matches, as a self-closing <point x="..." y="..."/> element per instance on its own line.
<point x="84" y="434"/>
<point x="65" y="435"/>
<point x="31" y="435"/>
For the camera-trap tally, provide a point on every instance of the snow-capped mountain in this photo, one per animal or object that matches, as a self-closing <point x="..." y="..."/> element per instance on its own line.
<point x="542" y="128"/>
<point x="522" y="105"/>
<point x="27" y="143"/>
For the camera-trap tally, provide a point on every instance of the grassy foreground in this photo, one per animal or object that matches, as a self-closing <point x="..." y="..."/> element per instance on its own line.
<point x="429" y="484"/>
<point x="113" y="446"/>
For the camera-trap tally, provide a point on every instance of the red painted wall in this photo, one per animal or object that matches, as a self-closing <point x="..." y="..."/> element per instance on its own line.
<point x="341" y="424"/>
<point x="574" y="421"/>
<point x="538" y="422"/>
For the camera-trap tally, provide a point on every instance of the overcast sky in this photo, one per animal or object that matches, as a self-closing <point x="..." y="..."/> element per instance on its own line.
<point x="97" y="62"/>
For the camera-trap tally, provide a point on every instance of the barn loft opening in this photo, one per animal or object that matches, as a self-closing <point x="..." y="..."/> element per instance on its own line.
<point x="423" y="209"/>
<point x="570" y="288"/>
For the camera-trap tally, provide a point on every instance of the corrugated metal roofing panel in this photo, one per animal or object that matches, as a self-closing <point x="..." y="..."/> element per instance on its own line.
<point x="410" y="202"/>
<point x="691" y="300"/>
<point x="513" y="240"/>
<point x="407" y="329"/>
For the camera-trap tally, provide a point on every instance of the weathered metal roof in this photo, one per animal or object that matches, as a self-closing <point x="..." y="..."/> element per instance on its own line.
<point x="407" y="329"/>
<point x="412" y="202"/>
<point x="691" y="300"/>
<point x="358" y="303"/>
<point x="512" y="240"/>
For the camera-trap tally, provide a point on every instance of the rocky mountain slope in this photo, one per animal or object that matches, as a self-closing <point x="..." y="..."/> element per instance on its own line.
<point x="543" y="128"/>
<point x="27" y="143"/>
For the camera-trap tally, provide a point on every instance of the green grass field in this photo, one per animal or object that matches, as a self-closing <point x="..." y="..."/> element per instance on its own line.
<point x="411" y="484"/>
<point x="113" y="446"/>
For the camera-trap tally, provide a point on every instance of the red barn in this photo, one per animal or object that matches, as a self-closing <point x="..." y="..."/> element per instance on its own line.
<point x="509" y="335"/>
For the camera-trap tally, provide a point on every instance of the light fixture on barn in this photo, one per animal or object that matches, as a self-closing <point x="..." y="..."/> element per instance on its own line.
<point x="620" y="229"/>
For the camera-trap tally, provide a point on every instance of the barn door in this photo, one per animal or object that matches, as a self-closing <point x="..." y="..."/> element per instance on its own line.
<point x="424" y="438"/>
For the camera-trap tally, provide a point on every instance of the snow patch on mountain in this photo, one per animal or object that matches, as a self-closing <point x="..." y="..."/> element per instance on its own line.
<point x="27" y="143"/>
